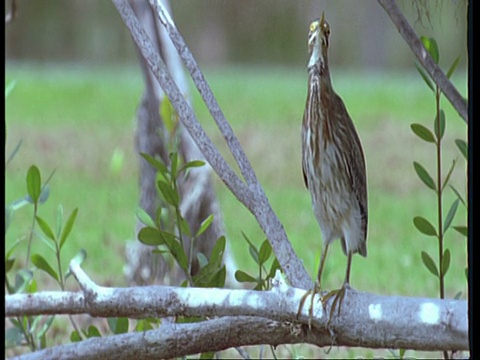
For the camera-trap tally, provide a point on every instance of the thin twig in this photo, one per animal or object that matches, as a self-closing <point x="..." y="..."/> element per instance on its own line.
<point x="411" y="38"/>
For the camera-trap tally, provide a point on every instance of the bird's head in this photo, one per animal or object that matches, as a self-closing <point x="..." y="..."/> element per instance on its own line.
<point x="318" y="36"/>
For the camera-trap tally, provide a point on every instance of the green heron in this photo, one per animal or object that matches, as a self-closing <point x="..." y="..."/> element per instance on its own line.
<point x="333" y="165"/>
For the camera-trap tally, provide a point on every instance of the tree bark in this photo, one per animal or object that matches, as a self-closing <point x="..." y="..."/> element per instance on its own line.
<point x="366" y="320"/>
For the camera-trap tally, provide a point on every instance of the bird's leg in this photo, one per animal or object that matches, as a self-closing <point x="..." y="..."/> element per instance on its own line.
<point x="340" y="293"/>
<point x="316" y="288"/>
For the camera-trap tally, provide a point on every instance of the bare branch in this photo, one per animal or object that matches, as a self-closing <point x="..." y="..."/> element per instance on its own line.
<point x="367" y="320"/>
<point x="411" y="38"/>
<point x="206" y="93"/>
<point x="176" y="340"/>
<point x="251" y="195"/>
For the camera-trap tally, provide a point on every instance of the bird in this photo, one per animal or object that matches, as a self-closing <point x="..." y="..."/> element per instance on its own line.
<point x="333" y="165"/>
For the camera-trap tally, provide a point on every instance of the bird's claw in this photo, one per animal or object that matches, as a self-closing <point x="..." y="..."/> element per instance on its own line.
<point x="338" y="295"/>
<point x="312" y="293"/>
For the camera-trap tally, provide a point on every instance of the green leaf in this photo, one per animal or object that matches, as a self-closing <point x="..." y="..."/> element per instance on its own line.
<point x="462" y="230"/>
<point x="425" y="77"/>
<point x="157" y="164"/>
<point x="45" y="228"/>
<point x="143" y="325"/>
<point x="463" y="147"/>
<point x="118" y="325"/>
<point x="176" y="250"/>
<point x="242" y="276"/>
<point x="440" y="134"/>
<point x="254" y="254"/>
<point x="75" y="336"/>
<point x="273" y="268"/>
<point x="160" y="217"/>
<point x="34" y="183"/>
<point x="191" y="164"/>
<point x="445" y="261"/>
<point x="424" y="176"/>
<point x="92" y="332"/>
<point x="218" y="279"/>
<point x="204" y="225"/>
<point x="423" y="132"/>
<point x="217" y="252"/>
<point x="150" y="236"/>
<point x="144" y="218"/>
<point x="31" y="287"/>
<point x="265" y="252"/>
<point x="207" y="355"/>
<point x="169" y="194"/>
<point x="210" y="276"/>
<point x="40" y="262"/>
<point x="429" y="263"/>
<point x="173" y="164"/>
<point x="424" y="226"/>
<point x="450" y="215"/>
<point x="458" y="195"/>
<point x="184" y="225"/>
<point x="432" y="47"/>
<point x="453" y="67"/>
<point x="68" y="227"/>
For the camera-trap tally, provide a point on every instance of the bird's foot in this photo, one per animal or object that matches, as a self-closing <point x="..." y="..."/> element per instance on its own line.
<point x="338" y="296"/>
<point x="315" y="290"/>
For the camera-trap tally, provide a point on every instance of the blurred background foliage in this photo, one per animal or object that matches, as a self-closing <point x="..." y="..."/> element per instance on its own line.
<point x="240" y="32"/>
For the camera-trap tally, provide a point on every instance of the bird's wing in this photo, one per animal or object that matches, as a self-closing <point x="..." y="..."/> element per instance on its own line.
<point x="356" y="170"/>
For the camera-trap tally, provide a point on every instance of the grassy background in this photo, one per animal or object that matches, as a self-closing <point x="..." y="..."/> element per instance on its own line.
<point x="72" y="119"/>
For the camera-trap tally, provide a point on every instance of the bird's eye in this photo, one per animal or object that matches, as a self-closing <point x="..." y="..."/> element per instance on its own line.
<point x="313" y="26"/>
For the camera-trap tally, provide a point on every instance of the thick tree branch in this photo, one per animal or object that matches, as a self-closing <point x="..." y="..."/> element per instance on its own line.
<point x="411" y="38"/>
<point x="250" y="194"/>
<point x="367" y="320"/>
<point x="177" y="340"/>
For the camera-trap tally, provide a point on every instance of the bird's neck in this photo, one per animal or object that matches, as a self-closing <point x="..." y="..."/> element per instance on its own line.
<point x="321" y="70"/>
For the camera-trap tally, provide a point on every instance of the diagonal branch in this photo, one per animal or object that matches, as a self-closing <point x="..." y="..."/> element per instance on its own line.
<point x="206" y="93"/>
<point x="411" y="38"/>
<point x="252" y="194"/>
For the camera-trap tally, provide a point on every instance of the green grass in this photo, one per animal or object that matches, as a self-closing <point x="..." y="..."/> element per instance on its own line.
<point x="72" y="119"/>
